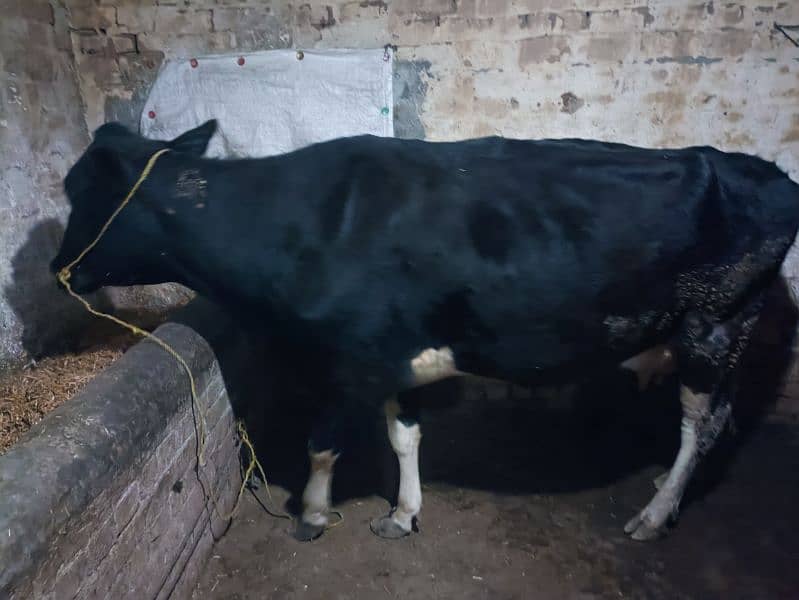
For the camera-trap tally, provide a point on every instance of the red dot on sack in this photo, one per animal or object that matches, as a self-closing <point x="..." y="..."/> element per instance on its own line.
<point x="241" y="60"/>
<point x="193" y="62"/>
<point x="151" y="114"/>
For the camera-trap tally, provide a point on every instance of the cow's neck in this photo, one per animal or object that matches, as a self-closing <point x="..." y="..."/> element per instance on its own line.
<point x="219" y="227"/>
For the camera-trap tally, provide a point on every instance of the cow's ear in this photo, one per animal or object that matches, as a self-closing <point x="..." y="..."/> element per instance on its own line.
<point x="195" y="141"/>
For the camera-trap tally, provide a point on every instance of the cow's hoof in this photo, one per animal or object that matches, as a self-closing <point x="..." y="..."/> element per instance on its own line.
<point x="305" y="532"/>
<point x="640" y="529"/>
<point x="387" y="528"/>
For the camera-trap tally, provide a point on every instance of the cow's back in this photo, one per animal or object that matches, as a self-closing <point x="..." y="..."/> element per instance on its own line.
<point x="533" y="255"/>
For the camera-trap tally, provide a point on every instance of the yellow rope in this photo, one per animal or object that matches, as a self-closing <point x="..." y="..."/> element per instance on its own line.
<point x="64" y="276"/>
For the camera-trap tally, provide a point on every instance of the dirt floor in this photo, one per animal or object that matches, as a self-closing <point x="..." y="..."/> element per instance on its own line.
<point x="28" y="393"/>
<point x="528" y="500"/>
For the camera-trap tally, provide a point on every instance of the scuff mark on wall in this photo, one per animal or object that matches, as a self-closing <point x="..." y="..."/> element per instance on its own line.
<point x="571" y="103"/>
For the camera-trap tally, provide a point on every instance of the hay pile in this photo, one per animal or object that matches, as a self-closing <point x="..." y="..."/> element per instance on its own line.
<point x="27" y="394"/>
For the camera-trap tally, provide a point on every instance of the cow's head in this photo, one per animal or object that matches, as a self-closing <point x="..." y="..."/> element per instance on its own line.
<point x="95" y="186"/>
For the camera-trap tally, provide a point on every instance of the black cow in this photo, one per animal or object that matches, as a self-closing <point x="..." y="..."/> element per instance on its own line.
<point x="389" y="263"/>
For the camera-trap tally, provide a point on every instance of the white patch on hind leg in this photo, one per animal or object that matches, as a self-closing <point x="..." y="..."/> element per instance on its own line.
<point x="316" y="497"/>
<point x="433" y="365"/>
<point x="405" y="441"/>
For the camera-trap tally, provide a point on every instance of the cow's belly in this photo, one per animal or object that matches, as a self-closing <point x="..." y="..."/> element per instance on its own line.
<point x="435" y="364"/>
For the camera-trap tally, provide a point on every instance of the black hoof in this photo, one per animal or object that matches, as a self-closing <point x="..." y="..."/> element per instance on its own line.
<point x="388" y="529"/>
<point x="305" y="532"/>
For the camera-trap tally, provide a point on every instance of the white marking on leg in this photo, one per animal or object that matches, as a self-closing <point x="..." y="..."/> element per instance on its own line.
<point x="316" y="497"/>
<point x="654" y="363"/>
<point x="696" y="410"/>
<point x="405" y="442"/>
<point x="433" y="365"/>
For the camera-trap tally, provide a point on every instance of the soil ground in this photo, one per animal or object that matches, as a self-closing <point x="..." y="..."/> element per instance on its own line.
<point x="527" y="499"/>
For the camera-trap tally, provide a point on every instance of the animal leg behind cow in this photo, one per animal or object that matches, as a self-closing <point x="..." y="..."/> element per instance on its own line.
<point x="404" y="433"/>
<point x="707" y="356"/>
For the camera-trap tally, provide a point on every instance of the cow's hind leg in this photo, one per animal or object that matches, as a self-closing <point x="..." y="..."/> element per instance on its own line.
<point x="707" y="354"/>
<point x="317" y="493"/>
<point x="404" y="434"/>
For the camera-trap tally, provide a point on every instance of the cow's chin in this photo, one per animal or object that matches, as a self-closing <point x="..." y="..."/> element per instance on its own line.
<point x="83" y="284"/>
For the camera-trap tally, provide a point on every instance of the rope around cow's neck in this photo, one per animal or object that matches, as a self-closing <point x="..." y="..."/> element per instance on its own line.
<point x="64" y="276"/>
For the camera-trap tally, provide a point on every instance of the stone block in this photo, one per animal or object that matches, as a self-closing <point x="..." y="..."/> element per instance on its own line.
<point x="91" y="43"/>
<point x="125" y="43"/>
<point x="549" y="49"/>
<point x="29" y="10"/>
<point x="92" y="17"/>
<point x="360" y="10"/>
<point x="614" y="48"/>
<point x="240" y="19"/>
<point x="786" y="12"/>
<point x="127" y="506"/>
<point x="135" y="17"/>
<point x="424" y="7"/>
<point x="180" y="20"/>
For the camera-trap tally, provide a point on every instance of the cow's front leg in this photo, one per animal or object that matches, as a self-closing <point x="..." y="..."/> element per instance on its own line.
<point x="317" y="494"/>
<point x="404" y="434"/>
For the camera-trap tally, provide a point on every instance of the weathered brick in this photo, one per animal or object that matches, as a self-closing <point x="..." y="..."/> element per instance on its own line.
<point x="136" y="17"/>
<point x="608" y="49"/>
<point x="318" y="17"/>
<point x="34" y="61"/>
<point x="92" y="17"/>
<point x="679" y="17"/>
<point x="570" y="20"/>
<point x="92" y="43"/>
<point x="365" y="9"/>
<point x="179" y="20"/>
<point x="551" y="49"/>
<point x="125" y="43"/>
<point x="155" y="506"/>
<point x="424" y="7"/>
<point x="412" y="33"/>
<point x="167" y="450"/>
<point x="71" y="574"/>
<point x="188" y="44"/>
<point x="668" y="44"/>
<point x="235" y="19"/>
<point x="127" y="506"/>
<point x="786" y="12"/>
<point x="619" y="21"/>
<point x="30" y="10"/>
<point x="534" y="25"/>
<point x="152" y="470"/>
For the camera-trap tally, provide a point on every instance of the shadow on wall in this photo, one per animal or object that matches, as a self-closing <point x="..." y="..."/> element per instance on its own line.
<point x="51" y="320"/>
<point x="488" y="435"/>
<point x="54" y="323"/>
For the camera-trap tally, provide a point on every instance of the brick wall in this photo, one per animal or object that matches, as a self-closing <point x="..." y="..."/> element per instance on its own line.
<point x="101" y="499"/>
<point x="653" y="72"/>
